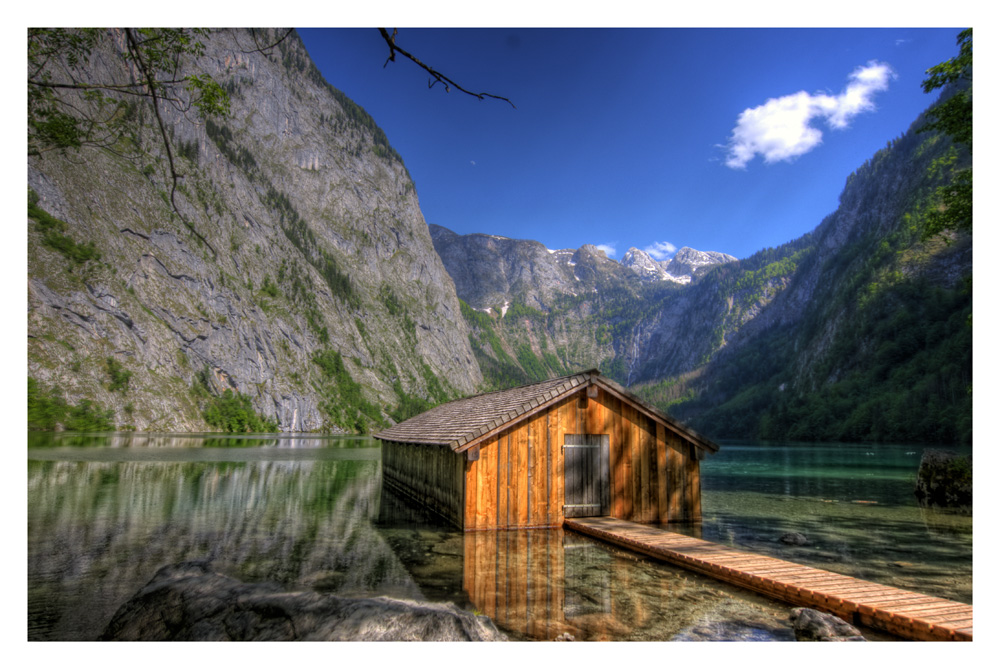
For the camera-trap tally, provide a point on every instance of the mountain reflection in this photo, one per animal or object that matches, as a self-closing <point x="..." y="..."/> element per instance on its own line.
<point x="105" y="512"/>
<point x="98" y="531"/>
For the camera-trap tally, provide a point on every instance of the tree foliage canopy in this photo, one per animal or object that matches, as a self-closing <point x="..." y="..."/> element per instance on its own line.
<point x="70" y="105"/>
<point x="953" y="117"/>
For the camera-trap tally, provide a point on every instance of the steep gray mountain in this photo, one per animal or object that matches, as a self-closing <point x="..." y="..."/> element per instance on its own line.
<point x="302" y="275"/>
<point x="491" y="271"/>
<point x="643" y="265"/>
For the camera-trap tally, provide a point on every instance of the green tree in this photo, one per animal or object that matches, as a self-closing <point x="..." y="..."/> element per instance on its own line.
<point x="233" y="412"/>
<point x="118" y="376"/>
<point x="48" y="410"/>
<point x="953" y="117"/>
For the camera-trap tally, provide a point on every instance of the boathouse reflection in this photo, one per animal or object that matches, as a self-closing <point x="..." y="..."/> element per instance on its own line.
<point x="545" y="583"/>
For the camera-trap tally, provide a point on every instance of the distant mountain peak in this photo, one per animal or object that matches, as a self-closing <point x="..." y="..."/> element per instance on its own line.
<point x="688" y="261"/>
<point x="686" y="264"/>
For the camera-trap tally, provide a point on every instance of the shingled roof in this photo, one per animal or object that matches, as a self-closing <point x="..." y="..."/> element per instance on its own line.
<point x="462" y="423"/>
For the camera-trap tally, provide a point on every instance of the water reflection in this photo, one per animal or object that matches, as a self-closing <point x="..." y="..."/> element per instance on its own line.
<point x="105" y="512"/>
<point x="550" y="584"/>
<point x="99" y="530"/>
<point x="147" y="440"/>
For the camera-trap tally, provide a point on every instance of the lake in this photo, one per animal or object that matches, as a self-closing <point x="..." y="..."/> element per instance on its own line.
<point x="310" y="513"/>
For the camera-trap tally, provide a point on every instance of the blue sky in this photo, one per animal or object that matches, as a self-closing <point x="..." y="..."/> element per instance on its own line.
<point x="628" y="137"/>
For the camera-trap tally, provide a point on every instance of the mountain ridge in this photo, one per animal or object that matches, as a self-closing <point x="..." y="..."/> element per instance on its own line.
<point x="773" y="345"/>
<point x="291" y="268"/>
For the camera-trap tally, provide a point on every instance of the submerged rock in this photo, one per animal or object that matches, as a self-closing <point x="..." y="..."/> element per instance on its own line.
<point x="730" y="630"/>
<point x="813" y="625"/>
<point x="794" y="539"/>
<point x="944" y="481"/>
<point x="736" y="620"/>
<point x="190" y="602"/>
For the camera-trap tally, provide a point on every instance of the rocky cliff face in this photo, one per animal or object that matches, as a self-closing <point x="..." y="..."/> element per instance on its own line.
<point x="301" y="238"/>
<point x="490" y="271"/>
<point x="690" y="263"/>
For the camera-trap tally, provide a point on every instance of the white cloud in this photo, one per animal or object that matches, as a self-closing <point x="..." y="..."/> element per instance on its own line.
<point x="472" y="162"/>
<point x="609" y="249"/>
<point x="779" y="129"/>
<point x="660" y="250"/>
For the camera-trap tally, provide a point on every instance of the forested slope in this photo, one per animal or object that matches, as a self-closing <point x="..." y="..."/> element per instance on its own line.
<point x="872" y="339"/>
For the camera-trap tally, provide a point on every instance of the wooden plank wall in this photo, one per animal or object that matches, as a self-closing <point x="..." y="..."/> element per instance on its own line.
<point x="431" y="475"/>
<point x="518" y="480"/>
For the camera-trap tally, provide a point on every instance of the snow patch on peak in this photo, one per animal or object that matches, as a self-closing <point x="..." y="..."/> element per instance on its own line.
<point x="680" y="269"/>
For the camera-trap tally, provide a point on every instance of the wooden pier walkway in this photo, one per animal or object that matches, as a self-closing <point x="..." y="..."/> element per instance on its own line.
<point x="900" y="612"/>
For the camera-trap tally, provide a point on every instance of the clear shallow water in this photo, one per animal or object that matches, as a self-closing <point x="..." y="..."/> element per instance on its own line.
<point x="853" y="503"/>
<point x="106" y="511"/>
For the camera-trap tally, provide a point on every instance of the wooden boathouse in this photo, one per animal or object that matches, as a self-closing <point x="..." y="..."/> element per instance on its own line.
<point x="532" y="456"/>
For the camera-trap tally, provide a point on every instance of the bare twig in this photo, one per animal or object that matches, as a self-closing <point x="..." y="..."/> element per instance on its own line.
<point x="438" y="77"/>
<point x="264" y="49"/>
<point x="118" y="88"/>
<point x="174" y="175"/>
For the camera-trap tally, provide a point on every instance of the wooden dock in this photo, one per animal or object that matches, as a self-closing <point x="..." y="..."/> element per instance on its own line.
<point x="906" y="614"/>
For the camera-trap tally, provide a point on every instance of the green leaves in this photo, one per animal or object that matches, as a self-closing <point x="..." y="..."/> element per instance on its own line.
<point x="208" y="96"/>
<point x="118" y="376"/>
<point x="69" y="106"/>
<point x="955" y="69"/>
<point x="954" y="208"/>
<point x="953" y="117"/>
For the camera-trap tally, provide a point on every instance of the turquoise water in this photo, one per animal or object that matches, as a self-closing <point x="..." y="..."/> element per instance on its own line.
<point x="853" y="503"/>
<point x="310" y="513"/>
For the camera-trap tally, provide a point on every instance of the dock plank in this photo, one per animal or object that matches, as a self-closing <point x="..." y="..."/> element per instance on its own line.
<point x="910" y="615"/>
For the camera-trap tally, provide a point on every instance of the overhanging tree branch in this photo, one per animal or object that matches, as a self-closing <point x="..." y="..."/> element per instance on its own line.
<point x="264" y="49"/>
<point x="152" y="87"/>
<point x="69" y="108"/>
<point x="437" y="76"/>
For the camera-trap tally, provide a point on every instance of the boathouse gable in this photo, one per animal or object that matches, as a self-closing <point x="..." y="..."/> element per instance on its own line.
<point x="576" y="446"/>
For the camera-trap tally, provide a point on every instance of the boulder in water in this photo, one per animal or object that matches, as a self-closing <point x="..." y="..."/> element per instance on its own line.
<point x="944" y="481"/>
<point x="190" y="602"/>
<point x="813" y="625"/>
